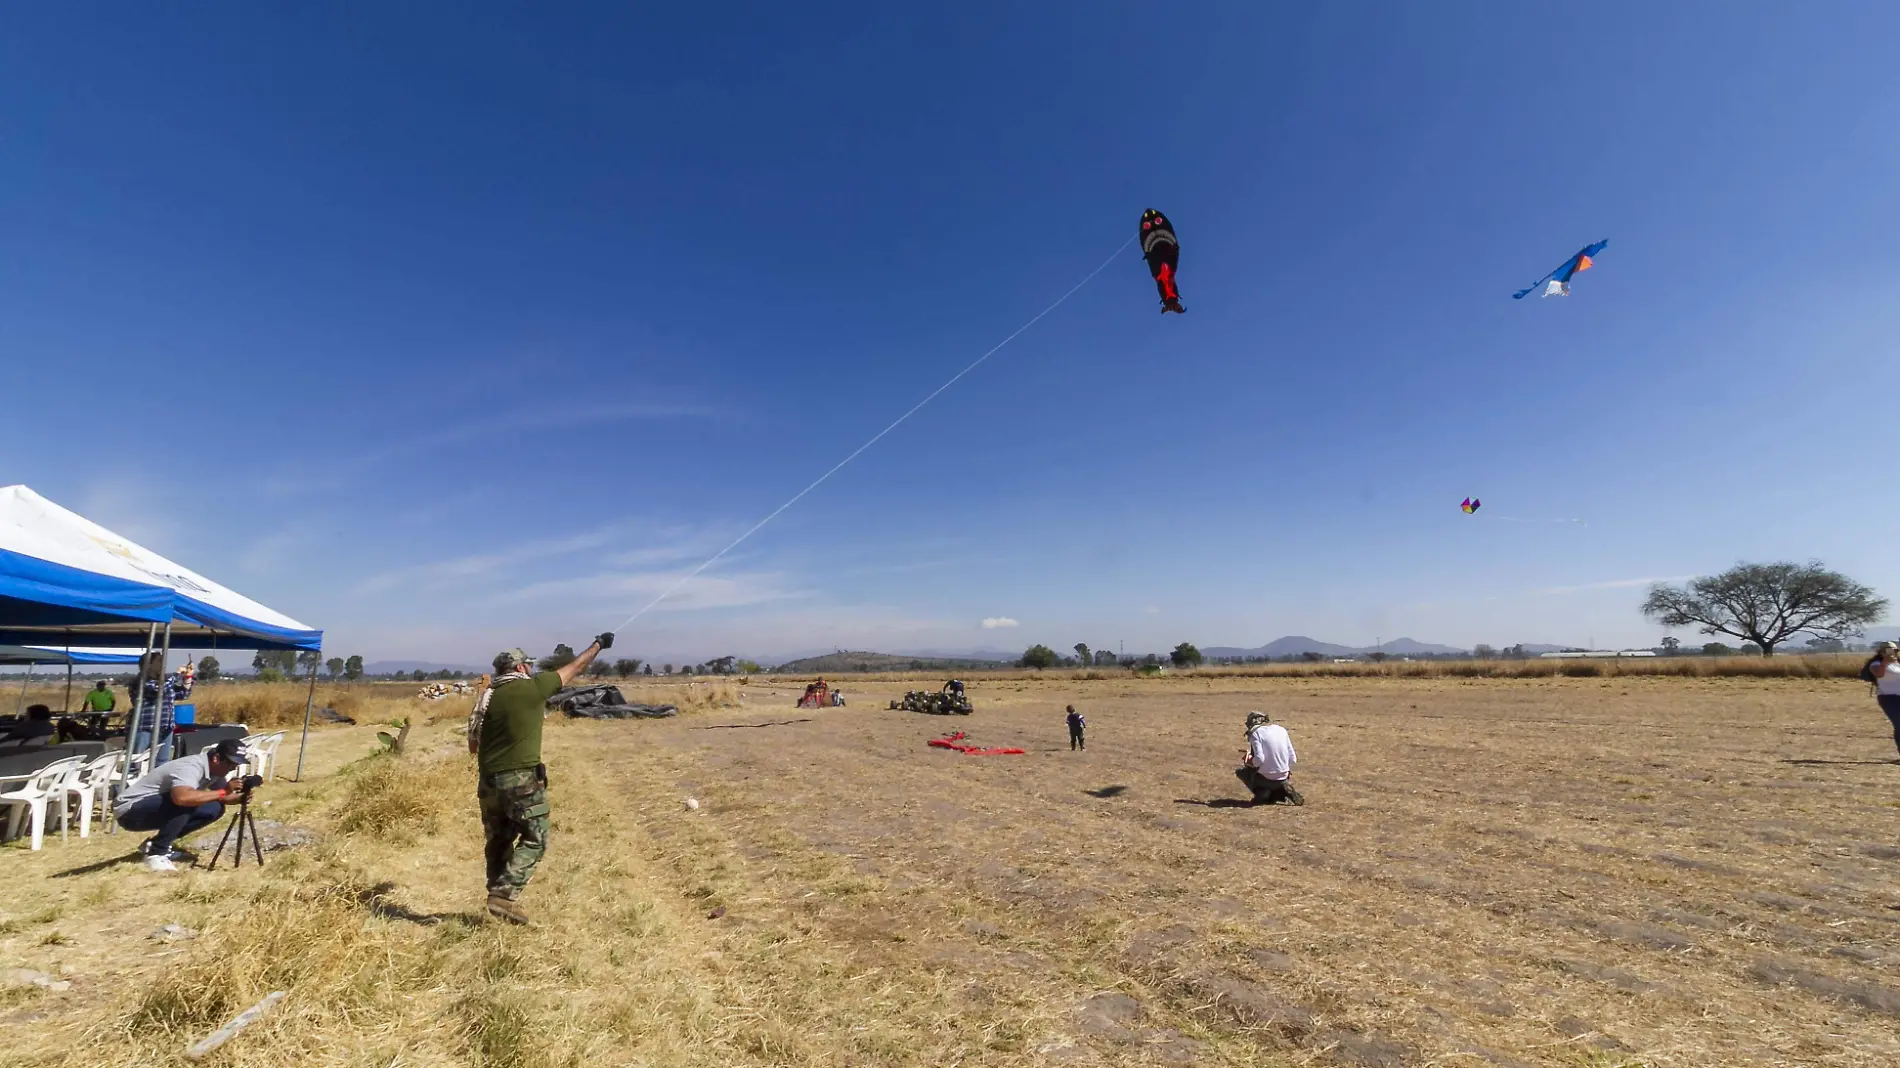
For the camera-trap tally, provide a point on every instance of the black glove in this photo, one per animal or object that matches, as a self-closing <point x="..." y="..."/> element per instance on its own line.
<point x="605" y="641"/>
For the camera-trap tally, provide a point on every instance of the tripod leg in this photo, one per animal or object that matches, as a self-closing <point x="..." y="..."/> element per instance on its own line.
<point x="237" y="856"/>
<point x="213" y="866"/>
<point x="255" y="848"/>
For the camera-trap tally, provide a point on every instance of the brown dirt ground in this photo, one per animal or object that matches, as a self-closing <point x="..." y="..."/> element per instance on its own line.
<point x="1538" y="872"/>
<point x="1550" y="872"/>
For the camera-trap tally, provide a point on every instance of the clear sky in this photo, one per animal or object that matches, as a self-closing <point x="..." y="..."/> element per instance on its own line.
<point x="453" y="326"/>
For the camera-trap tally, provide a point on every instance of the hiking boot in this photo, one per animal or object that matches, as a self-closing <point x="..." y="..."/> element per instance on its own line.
<point x="503" y="908"/>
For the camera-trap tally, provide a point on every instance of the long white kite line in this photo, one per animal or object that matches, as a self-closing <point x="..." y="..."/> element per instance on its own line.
<point x="875" y="438"/>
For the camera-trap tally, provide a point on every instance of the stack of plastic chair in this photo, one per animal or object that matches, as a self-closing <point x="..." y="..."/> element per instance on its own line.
<point x="29" y="800"/>
<point x="91" y="784"/>
<point x="262" y="751"/>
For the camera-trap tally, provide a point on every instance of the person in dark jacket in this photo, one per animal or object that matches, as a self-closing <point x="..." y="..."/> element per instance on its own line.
<point x="1076" y="725"/>
<point x="37" y="726"/>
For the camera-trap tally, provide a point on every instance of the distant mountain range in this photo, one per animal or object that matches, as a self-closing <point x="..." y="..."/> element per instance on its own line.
<point x="1300" y="644"/>
<point x="841" y="662"/>
<point x="812" y="661"/>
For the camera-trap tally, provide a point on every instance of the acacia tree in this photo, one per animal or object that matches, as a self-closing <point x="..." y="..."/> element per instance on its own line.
<point x="1766" y="604"/>
<point x="1039" y="657"/>
<point x="1185" y="655"/>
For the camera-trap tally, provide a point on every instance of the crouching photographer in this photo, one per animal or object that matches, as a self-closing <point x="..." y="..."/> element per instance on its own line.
<point x="181" y="796"/>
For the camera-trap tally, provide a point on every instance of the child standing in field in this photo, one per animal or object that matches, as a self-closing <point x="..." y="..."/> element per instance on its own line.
<point x="1076" y="726"/>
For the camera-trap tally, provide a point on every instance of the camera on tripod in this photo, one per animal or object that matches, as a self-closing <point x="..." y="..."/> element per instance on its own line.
<point x="242" y="824"/>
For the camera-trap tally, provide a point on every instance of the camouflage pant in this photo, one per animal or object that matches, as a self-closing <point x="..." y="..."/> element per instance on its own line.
<point x="515" y="825"/>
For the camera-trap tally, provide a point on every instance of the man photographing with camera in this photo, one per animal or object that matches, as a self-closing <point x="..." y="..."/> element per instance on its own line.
<point x="504" y="731"/>
<point x="179" y="797"/>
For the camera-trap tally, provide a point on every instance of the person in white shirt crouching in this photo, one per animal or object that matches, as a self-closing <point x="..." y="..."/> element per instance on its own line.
<point x="1268" y="771"/>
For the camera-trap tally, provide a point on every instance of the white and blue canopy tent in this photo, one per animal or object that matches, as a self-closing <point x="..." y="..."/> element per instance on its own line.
<point x="67" y="582"/>
<point x="31" y="657"/>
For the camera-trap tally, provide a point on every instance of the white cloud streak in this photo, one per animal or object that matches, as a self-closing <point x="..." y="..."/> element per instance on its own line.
<point x="1612" y="584"/>
<point x="996" y="622"/>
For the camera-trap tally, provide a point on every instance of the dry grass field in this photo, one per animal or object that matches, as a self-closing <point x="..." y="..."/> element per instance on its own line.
<point x="1558" y="871"/>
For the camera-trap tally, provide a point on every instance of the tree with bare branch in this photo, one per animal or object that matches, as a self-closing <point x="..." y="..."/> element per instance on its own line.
<point x="1767" y="604"/>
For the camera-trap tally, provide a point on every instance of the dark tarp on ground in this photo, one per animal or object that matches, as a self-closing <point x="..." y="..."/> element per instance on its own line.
<point x="604" y="702"/>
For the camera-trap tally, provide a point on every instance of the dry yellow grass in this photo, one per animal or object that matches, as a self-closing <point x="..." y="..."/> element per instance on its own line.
<point x="1538" y="872"/>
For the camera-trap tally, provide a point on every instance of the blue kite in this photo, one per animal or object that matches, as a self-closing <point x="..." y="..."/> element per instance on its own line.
<point x="1559" y="279"/>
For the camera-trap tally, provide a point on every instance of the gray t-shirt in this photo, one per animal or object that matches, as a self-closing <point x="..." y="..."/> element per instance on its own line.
<point x="192" y="772"/>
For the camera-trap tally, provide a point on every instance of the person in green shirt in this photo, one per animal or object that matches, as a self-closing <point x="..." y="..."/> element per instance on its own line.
<point x="504" y="733"/>
<point x="100" y="699"/>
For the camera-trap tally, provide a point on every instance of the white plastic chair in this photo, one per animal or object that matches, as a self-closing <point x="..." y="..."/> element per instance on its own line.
<point x="91" y="784"/>
<point x="30" y="799"/>
<point x="262" y="751"/>
<point x="131" y="769"/>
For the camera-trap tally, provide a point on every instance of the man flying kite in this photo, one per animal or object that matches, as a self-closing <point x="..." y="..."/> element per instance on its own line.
<point x="1559" y="279"/>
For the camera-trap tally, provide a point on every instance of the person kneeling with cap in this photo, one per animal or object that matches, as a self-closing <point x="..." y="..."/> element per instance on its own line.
<point x="1268" y="771"/>
<point x="179" y="797"/>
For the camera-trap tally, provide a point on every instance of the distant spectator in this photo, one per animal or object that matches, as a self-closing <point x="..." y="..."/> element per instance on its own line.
<point x="1885" y="667"/>
<point x="38" y="725"/>
<point x="101" y="698"/>
<point x="1076" y="725"/>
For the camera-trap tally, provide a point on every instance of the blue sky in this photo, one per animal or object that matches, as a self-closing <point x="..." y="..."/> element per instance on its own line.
<point x="448" y="327"/>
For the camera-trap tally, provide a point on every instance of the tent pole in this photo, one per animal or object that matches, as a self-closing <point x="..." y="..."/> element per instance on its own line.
<point x="308" y="700"/>
<point x="138" y="691"/>
<point x="158" y="710"/>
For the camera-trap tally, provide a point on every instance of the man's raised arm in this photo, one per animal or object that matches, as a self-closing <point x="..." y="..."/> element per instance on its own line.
<point x="573" y="668"/>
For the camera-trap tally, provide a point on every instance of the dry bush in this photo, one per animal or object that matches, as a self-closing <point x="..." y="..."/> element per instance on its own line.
<point x="388" y="798"/>
<point x="273" y="705"/>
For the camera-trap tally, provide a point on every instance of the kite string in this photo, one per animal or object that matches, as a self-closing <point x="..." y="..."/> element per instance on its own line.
<point x="875" y="438"/>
